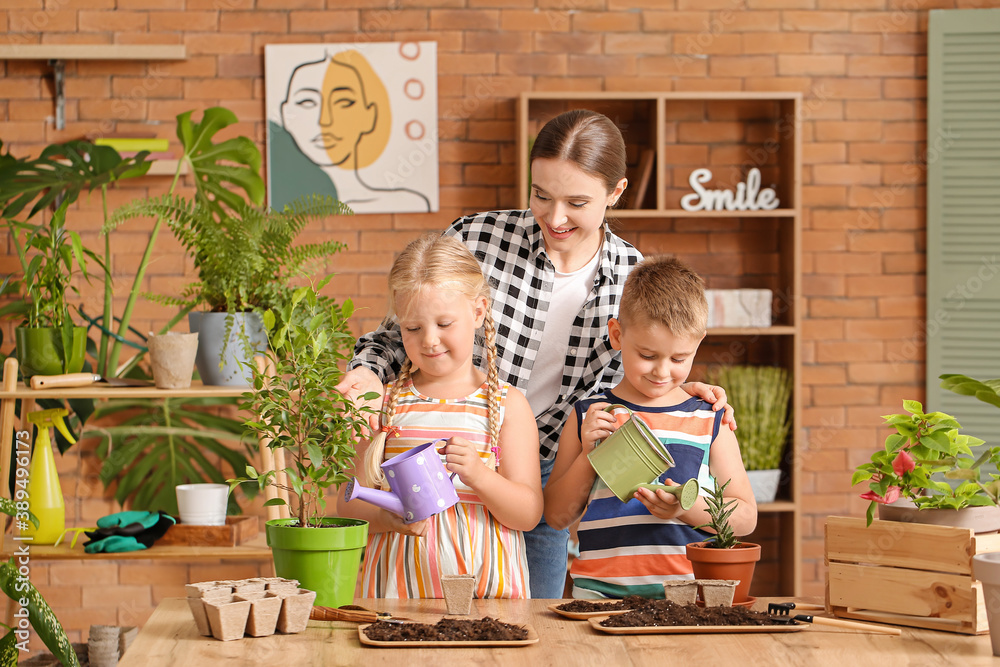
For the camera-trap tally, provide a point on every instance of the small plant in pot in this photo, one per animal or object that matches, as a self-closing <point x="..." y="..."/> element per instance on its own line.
<point x="925" y="465"/>
<point x="312" y="430"/>
<point x="762" y="393"/>
<point x="48" y="342"/>
<point x="723" y="556"/>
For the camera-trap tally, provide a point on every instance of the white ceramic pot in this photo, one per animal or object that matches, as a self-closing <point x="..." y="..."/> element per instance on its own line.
<point x="202" y="504"/>
<point x="764" y="484"/>
<point x="986" y="569"/>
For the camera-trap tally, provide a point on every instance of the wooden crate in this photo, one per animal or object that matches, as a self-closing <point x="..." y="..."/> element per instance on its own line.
<point x="238" y="529"/>
<point x="906" y="574"/>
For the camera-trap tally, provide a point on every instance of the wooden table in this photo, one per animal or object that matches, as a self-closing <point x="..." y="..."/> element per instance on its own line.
<point x="169" y="638"/>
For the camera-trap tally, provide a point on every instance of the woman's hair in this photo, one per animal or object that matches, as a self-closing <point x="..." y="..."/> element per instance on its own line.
<point x="589" y="140"/>
<point x="442" y="263"/>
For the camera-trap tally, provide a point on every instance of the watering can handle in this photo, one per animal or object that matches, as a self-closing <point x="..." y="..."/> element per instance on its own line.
<point x="611" y="408"/>
<point x="442" y="440"/>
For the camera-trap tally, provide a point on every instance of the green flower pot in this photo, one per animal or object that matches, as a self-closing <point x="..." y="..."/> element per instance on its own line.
<point x="325" y="560"/>
<point x="40" y="351"/>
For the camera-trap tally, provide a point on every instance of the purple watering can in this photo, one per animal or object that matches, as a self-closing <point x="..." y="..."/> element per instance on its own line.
<point x="419" y="484"/>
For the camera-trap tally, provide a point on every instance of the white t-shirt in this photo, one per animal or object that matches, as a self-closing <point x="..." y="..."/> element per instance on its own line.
<point x="570" y="292"/>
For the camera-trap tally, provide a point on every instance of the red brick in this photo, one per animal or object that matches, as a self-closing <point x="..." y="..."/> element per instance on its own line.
<point x="526" y="65"/>
<point x="216" y="43"/>
<point x="742" y="66"/>
<point x="532" y="21"/>
<point x="851" y="395"/>
<point x="678" y="23"/>
<point x="187" y="21"/>
<point x="815" y="21"/>
<point x="843" y="351"/>
<point x="118" y="20"/>
<point x="605" y="22"/>
<point x="849" y="43"/>
<point x="778" y="42"/>
<point x="885" y="22"/>
<point x="586" y="65"/>
<point x="637" y="43"/>
<point x="842" y="308"/>
<point x="846" y="174"/>
<point x="813" y="65"/>
<point x="885" y="110"/>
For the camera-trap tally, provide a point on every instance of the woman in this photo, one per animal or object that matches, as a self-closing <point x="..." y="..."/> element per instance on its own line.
<point x="557" y="273"/>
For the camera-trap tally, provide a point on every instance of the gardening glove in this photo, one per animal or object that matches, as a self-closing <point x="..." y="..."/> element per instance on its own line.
<point x="113" y="544"/>
<point x="140" y="528"/>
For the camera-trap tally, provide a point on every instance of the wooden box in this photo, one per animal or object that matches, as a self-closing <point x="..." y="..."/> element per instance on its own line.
<point x="238" y="529"/>
<point x="906" y="574"/>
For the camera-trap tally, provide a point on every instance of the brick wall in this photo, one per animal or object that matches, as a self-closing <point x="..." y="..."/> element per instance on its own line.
<point x="861" y="65"/>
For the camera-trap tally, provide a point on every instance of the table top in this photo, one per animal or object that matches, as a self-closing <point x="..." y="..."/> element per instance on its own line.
<point x="169" y="638"/>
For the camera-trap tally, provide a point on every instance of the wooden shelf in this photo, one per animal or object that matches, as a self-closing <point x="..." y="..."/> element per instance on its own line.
<point x="254" y="550"/>
<point x="102" y="390"/>
<point x="754" y="249"/>
<point x="753" y="331"/>
<point x="681" y="213"/>
<point x="93" y="52"/>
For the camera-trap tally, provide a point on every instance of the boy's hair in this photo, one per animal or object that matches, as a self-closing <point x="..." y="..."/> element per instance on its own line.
<point x="663" y="290"/>
<point x="444" y="263"/>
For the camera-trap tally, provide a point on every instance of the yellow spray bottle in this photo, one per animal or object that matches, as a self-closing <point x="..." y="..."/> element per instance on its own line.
<point x="45" y="498"/>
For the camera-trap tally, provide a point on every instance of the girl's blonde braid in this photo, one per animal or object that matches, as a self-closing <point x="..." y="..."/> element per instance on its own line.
<point x="375" y="455"/>
<point x="492" y="385"/>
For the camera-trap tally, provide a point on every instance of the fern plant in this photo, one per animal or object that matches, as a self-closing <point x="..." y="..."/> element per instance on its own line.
<point x="719" y="511"/>
<point x="245" y="255"/>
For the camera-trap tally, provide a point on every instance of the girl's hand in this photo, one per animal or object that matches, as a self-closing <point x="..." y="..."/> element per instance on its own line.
<point x="462" y="457"/>
<point x="395" y="523"/>
<point x="660" y="504"/>
<point x="597" y="425"/>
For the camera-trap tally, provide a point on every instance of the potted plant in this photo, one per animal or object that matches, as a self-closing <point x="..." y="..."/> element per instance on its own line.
<point x="245" y="256"/>
<point x="926" y="465"/>
<point x="723" y="556"/>
<point x="47" y="340"/>
<point x="296" y="411"/>
<point x="762" y="395"/>
<point x="32" y="609"/>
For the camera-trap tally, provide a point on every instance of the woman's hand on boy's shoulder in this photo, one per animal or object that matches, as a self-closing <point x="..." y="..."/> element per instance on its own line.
<point x="715" y="395"/>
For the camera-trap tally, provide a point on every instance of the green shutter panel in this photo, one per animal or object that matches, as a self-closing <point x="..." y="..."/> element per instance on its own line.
<point x="963" y="211"/>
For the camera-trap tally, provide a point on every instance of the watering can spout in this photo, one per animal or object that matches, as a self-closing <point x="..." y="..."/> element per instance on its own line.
<point x="384" y="499"/>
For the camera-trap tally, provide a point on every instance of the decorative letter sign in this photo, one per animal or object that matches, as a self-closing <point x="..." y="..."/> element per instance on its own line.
<point x="748" y="196"/>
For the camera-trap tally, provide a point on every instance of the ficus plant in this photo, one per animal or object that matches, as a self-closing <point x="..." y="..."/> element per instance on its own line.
<point x="927" y="460"/>
<point x="295" y="407"/>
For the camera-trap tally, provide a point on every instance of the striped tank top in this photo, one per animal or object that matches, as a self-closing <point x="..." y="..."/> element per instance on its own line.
<point x="465" y="538"/>
<point x="625" y="550"/>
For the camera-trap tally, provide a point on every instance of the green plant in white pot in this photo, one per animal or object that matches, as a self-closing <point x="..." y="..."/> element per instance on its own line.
<point x="314" y="430"/>
<point x="761" y="394"/>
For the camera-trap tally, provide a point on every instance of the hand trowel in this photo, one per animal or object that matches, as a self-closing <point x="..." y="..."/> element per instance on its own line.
<point x="82" y="380"/>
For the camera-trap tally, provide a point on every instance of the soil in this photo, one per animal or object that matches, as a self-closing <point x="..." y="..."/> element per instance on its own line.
<point x="646" y="613"/>
<point x="587" y="606"/>
<point x="447" y="629"/>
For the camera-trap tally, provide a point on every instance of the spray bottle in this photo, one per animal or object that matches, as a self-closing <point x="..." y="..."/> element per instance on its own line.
<point x="45" y="498"/>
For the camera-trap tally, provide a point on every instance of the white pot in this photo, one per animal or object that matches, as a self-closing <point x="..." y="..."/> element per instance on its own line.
<point x="764" y="484"/>
<point x="979" y="519"/>
<point x="986" y="569"/>
<point x="202" y="504"/>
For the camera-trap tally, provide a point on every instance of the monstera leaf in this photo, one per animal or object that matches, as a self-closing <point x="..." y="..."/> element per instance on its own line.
<point x="61" y="172"/>
<point x="216" y="167"/>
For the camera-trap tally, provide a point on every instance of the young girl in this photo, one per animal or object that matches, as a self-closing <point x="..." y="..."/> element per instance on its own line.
<point x="440" y="299"/>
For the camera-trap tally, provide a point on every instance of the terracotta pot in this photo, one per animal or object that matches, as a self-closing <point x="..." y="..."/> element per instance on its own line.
<point x="736" y="563"/>
<point x="979" y="519"/>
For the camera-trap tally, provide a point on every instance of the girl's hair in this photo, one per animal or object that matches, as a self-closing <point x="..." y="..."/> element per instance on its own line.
<point x="442" y="263"/>
<point x="589" y="140"/>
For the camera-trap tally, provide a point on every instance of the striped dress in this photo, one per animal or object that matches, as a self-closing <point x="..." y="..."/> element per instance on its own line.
<point x="625" y="550"/>
<point x="465" y="538"/>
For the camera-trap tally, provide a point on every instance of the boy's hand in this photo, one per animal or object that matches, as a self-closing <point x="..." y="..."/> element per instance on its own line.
<point x="462" y="457"/>
<point x="395" y="523"/>
<point x="660" y="504"/>
<point x="597" y="425"/>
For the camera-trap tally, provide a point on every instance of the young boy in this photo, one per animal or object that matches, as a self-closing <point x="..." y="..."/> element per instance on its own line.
<point x="630" y="548"/>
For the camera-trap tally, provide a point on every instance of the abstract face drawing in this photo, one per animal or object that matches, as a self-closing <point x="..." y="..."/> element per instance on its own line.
<point x="327" y="112"/>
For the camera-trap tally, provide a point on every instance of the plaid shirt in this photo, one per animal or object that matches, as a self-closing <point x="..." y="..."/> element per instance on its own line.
<point x="509" y="246"/>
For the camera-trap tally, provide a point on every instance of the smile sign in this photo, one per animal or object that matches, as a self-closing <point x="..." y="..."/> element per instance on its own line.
<point x="747" y="197"/>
